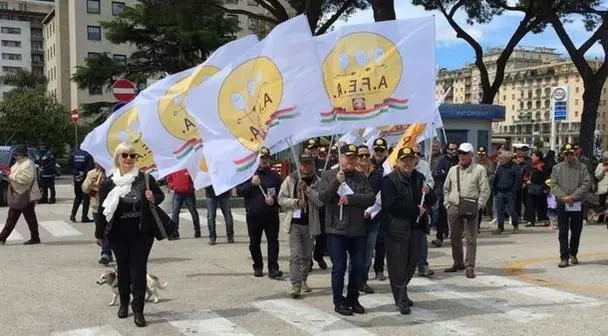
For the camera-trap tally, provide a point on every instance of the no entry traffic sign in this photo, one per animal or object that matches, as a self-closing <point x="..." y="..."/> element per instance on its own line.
<point x="124" y="91"/>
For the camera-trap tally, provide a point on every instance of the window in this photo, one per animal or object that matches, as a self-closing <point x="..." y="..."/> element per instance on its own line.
<point x="93" y="55"/>
<point x="231" y="2"/>
<point x="94" y="33"/>
<point x="37" y="59"/>
<point x="7" y="69"/>
<point x="577" y="88"/>
<point x="11" y="57"/>
<point x="234" y="18"/>
<point x="576" y="102"/>
<point x="3" y="5"/>
<point x="37" y="32"/>
<point x="576" y="113"/>
<point x="95" y="90"/>
<point x="120" y="59"/>
<point x="13" y="44"/>
<point x="117" y="7"/>
<point x="10" y="30"/>
<point x="37" y="45"/>
<point x="252" y="3"/>
<point x="93" y="6"/>
<point x="252" y="23"/>
<point x="23" y="7"/>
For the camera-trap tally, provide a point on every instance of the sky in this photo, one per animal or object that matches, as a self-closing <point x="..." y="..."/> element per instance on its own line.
<point x="453" y="53"/>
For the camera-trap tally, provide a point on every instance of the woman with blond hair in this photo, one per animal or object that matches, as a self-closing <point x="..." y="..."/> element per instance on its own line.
<point x="126" y="219"/>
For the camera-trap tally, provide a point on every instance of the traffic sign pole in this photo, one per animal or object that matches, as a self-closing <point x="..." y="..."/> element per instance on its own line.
<point x="75" y="118"/>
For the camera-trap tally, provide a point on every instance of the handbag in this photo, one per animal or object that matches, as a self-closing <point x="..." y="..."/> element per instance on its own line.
<point x="163" y="224"/>
<point x="19" y="201"/>
<point x="467" y="207"/>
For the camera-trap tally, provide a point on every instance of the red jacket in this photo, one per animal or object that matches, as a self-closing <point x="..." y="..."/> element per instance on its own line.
<point x="181" y="182"/>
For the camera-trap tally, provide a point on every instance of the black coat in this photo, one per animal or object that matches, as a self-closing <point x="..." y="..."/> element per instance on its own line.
<point x="400" y="199"/>
<point x="104" y="226"/>
<point x="255" y="204"/>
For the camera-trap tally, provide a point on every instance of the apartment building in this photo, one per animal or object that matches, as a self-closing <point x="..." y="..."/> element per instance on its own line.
<point x="21" y="37"/>
<point x="246" y="24"/>
<point x="532" y="76"/>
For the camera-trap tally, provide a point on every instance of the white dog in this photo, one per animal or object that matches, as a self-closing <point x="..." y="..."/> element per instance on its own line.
<point x="110" y="278"/>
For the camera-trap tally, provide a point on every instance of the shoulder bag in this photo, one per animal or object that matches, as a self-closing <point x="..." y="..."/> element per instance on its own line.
<point x="163" y="224"/>
<point x="467" y="207"/>
<point x="19" y="201"/>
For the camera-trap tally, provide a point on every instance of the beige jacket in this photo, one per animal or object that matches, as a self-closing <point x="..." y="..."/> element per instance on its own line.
<point x="22" y="175"/>
<point x="91" y="183"/>
<point x="602" y="178"/>
<point x="473" y="184"/>
<point x="289" y="204"/>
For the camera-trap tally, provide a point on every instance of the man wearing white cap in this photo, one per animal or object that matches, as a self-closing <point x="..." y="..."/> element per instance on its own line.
<point x="466" y="190"/>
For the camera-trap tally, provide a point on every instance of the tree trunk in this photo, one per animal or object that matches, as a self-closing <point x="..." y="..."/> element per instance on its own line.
<point x="313" y="12"/>
<point x="384" y="10"/>
<point x="591" y="102"/>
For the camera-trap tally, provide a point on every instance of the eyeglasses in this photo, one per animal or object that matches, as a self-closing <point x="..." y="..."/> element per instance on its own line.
<point x="133" y="156"/>
<point x="364" y="156"/>
<point x="379" y="150"/>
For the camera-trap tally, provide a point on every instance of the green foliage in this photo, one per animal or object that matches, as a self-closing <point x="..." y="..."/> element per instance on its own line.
<point x="25" y="80"/>
<point x="32" y="117"/>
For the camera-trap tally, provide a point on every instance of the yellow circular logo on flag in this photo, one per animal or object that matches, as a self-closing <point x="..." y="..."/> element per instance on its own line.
<point x="249" y="99"/>
<point x="127" y="128"/>
<point x="172" y="110"/>
<point x="361" y="74"/>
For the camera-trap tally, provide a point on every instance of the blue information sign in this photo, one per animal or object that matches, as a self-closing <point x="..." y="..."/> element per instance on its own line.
<point x="560" y="110"/>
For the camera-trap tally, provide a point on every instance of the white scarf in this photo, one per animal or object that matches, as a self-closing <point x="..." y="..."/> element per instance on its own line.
<point x="122" y="186"/>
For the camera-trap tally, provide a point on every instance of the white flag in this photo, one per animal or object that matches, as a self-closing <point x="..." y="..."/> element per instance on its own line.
<point x="170" y="130"/>
<point x="268" y="94"/>
<point x="122" y="126"/>
<point x="378" y="74"/>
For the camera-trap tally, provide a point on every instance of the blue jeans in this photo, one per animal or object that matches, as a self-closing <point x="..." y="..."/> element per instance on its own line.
<point x="224" y="203"/>
<point x="505" y="203"/>
<point x="190" y="200"/>
<point x="105" y="247"/>
<point x="371" y="236"/>
<point x="339" y="246"/>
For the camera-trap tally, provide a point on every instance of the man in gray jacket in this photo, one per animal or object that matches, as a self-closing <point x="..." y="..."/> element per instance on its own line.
<point x="300" y="198"/>
<point x="570" y="182"/>
<point x="346" y="194"/>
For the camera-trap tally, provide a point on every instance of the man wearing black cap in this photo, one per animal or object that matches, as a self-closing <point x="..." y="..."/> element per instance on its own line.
<point x="440" y="173"/>
<point x="401" y="196"/>
<point x="80" y="163"/>
<point x="483" y="160"/>
<point x="570" y="183"/>
<point x="262" y="215"/>
<point x="311" y="148"/>
<point x="380" y="155"/>
<point x="346" y="194"/>
<point x="301" y="200"/>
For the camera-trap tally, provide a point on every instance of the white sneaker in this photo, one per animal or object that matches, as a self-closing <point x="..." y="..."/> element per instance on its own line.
<point x="494" y="221"/>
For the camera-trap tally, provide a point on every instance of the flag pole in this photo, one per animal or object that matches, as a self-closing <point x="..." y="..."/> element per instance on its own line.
<point x="331" y="142"/>
<point x="339" y="170"/>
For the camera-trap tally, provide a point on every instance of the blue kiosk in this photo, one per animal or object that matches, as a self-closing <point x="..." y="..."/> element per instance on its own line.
<point x="471" y="123"/>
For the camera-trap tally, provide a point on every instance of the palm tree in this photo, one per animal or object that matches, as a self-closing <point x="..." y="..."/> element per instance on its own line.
<point x="25" y="80"/>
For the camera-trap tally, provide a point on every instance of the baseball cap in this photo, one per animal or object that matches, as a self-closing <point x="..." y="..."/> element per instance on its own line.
<point x="481" y="150"/>
<point x="380" y="143"/>
<point x="405" y="152"/>
<point x="306" y="157"/>
<point x="466" y="148"/>
<point x="568" y="148"/>
<point x="349" y="150"/>
<point x="311" y="143"/>
<point x="264" y="152"/>
<point x="323" y="150"/>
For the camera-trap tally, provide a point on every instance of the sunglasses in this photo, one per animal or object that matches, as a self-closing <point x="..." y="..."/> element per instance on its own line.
<point x="133" y="156"/>
<point x="364" y="155"/>
<point x="379" y="150"/>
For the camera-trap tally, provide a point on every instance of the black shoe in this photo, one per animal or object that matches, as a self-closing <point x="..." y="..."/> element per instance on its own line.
<point x="104" y="260"/>
<point x="380" y="276"/>
<point x="343" y="309"/>
<point x="356" y="307"/>
<point x="437" y="242"/>
<point x="230" y="240"/>
<point x="454" y="268"/>
<point x="32" y="241"/>
<point x="42" y="201"/>
<point x="258" y="273"/>
<point x="73" y="218"/>
<point x="52" y="202"/>
<point x="123" y="311"/>
<point x="212" y="241"/>
<point x="365" y="288"/>
<point x="174" y="236"/>
<point x="322" y="264"/>
<point x="86" y="220"/>
<point x="197" y="234"/>
<point x="405" y="309"/>
<point x="139" y="319"/>
<point x="410" y="303"/>
<point x="275" y="274"/>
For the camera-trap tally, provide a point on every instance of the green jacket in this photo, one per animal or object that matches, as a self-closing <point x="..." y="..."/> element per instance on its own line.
<point x="570" y="179"/>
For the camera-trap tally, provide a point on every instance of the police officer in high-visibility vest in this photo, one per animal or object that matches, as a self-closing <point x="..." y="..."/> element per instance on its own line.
<point x="80" y="162"/>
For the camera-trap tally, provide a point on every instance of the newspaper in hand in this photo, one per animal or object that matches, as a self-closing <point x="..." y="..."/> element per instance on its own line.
<point x="344" y="190"/>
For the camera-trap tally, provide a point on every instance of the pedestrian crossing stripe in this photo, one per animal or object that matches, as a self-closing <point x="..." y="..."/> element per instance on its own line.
<point x="313" y="321"/>
<point x="56" y="228"/>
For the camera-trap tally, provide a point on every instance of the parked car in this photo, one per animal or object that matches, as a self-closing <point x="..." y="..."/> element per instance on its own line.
<point x="7" y="160"/>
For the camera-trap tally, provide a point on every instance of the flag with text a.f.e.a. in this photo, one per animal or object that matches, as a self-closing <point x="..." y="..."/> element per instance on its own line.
<point x="378" y="74"/>
<point x="170" y="130"/>
<point x="121" y="126"/>
<point x="268" y="94"/>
